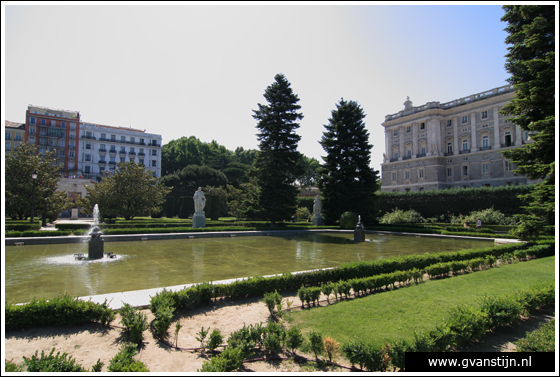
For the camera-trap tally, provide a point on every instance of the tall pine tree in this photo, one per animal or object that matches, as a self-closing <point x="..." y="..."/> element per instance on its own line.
<point x="347" y="181"/>
<point x="277" y="161"/>
<point x="531" y="62"/>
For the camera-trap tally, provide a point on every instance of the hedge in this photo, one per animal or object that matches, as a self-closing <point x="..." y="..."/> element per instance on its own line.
<point x="61" y="310"/>
<point x="434" y="203"/>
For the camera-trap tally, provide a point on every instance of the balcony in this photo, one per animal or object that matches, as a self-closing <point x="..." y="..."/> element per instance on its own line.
<point x="421" y="155"/>
<point x="88" y="137"/>
<point x="112" y="162"/>
<point x="465" y="151"/>
<point x="102" y="150"/>
<point x="506" y="145"/>
<point x="113" y="151"/>
<point x="141" y="154"/>
<point x="485" y="148"/>
<point x="448" y="154"/>
<point x="407" y="157"/>
<point x="122" y="153"/>
<point x="132" y="153"/>
<point x="393" y="159"/>
<point x="102" y="162"/>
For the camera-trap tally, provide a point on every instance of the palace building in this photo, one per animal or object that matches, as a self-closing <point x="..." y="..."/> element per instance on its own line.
<point x="452" y="144"/>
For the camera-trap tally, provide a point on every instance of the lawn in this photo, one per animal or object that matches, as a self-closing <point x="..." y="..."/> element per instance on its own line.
<point x="391" y="315"/>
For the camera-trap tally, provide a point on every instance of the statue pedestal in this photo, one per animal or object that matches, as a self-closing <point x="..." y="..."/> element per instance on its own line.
<point x="199" y="220"/>
<point x="317" y="220"/>
<point x="359" y="233"/>
<point x="74" y="215"/>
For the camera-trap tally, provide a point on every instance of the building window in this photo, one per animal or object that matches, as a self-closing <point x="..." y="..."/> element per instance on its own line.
<point x="421" y="189"/>
<point x="423" y="151"/>
<point x="450" y="148"/>
<point x="154" y="152"/>
<point x="53" y="123"/>
<point x="465" y="170"/>
<point x="407" y="175"/>
<point x="87" y="157"/>
<point x="123" y="139"/>
<point x="420" y="173"/>
<point x="154" y="163"/>
<point x="102" y="147"/>
<point x="484" y="115"/>
<point x="63" y="124"/>
<point x="102" y="158"/>
<point x="86" y="169"/>
<point x="407" y="129"/>
<point x="394" y="176"/>
<point x="123" y="149"/>
<point x="8" y="135"/>
<point x="71" y="154"/>
<point x="409" y="153"/>
<point x="485" y="168"/>
<point x="18" y="137"/>
<point x="396" y="133"/>
<point x="485" y="141"/>
<point x="113" y="148"/>
<point x="465" y="145"/>
<point x="31" y="130"/>
<point x="132" y="140"/>
<point x="43" y="122"/>
<point x="112" y="159"/>
<point x="103" y="137"/>
<point x="450" y="172"/>
<point x="132" y="149"/>
<point x="122" y="159"/>
<point x="422" y="126"/>
<point x="508" y="139"/>
<point x="32" y="120"/>
<point x="395" y="155"/>
<point x="141" y="161"/>
<point x="448" y="123"/>
<point x="113" y="138"/>
<point x="464" y="119"/>
<point x="508" y="166"/>
<point x="88" y="145"/>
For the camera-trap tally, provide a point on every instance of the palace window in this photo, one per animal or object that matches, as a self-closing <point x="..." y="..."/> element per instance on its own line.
<point x="450" y="172"/>
<point x="465" y="145"/>
<point x="407" y="129"/>
<point x="396" y="133"/>
<point x="420" y="173"/>
<point x="394" y="176"/>
<point x="485" y="141"/>
<point x="448" y="123"/>
<point x="407" y="175"/>
<point x="465" y="170"/>
<point x="485" y="168"/>
<point x="464" y="119"/>
<point x="484" y="115"/>
<point x="449" y="148"/>
<point x="422" y="126"/>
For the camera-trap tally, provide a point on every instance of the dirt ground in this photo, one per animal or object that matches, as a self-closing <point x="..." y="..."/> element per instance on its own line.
<point x="91" y="342"/>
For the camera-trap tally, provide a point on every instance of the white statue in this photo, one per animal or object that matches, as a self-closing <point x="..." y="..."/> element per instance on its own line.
<point x="317" y="206"/>
<point x="199" y="201"/>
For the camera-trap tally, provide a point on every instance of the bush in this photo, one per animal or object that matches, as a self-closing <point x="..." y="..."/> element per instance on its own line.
<point x="487" y="216"/>
<point x="315" y="343"/>
<point x="365" y="355"/>
<point x="540" y="340"/>
<point x="272" y="300"/>
<point x="348" y="220"/>
<point x="10" y="366"/>
<point x="50" y="363"/>
<point x="215" y="340"/>
<point x="228" y="361"/>
<point x="398" y="216"/>
<point x="61" y="310"/>
<point x="294" y="339"/>
<point x="135" y="322"/>
<point x="123" y="361"/>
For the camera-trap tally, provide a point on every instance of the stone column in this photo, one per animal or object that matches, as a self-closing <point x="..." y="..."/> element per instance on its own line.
<point x="518" y="132"/>
<point x="401" y="143"/>
<point x="455" y="136"/>
<point x="414" y="140"/>
<point x="388" y="146"/>
<point x="473" y="133"/>
<point x="496" y="129"/>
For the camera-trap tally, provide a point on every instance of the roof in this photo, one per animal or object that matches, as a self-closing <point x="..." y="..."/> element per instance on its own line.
<point x="115" y="127"/>
<point x="10" y="124"/>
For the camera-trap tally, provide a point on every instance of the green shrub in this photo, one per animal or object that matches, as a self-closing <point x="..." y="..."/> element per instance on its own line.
<point x="61" y="310"/>
<point x="348" y="220"/>
<point x="486" y="216"/>
<point x="315" y="343"/>
<point x="229" y="360"/>
<point x="294" y="339"/>
<point x="398" y="351"/>
<point x="10" y="366"/>
<point x="272" y="300"/>
<point x="365" y="355"/>
<point x="540" y="340"/>
<point x="50" y="363"/>
<point x="135" y="322"/>
<point x="123" y="361"/>
<point x="162" y="321"/>
<point x="398" y="216"/>
<point x="215" y="340"/>
<point x="465" y="323"/>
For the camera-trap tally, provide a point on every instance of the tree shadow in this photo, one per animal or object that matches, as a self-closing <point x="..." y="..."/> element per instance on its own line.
<point x="58" y="330"/>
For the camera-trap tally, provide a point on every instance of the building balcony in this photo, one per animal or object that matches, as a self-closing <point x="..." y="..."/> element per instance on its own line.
<point x="112" y="152"/>
<point x="421" y="155"/>
<point x="112" y="162"/>
<point x="102" y="162"/>
<point x="506" y="145"/>
<point x="88" y="137"/>
<point x="132" y="153"/>
<point x="407" y="157"/>
<point x="485" y="148"/>
<point x="102" y="150"/>
<point x="465" y="151"/>
<point x="393" y="159"/>
<point x="448" y="154"/>
<point x="122" y="153"/>
<point x="141" y="154"/>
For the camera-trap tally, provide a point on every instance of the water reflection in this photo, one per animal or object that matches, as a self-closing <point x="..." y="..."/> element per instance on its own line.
<point x="49" y="270"/>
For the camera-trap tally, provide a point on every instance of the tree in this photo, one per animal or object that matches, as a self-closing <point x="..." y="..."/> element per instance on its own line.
<point x="132" y="191"/>
<point x="531" y="62"/>
<point x="277" y="161"/>
<point x="19" y="184"/>
<point x="347" y="181"/>
<point x="310" y="175"/>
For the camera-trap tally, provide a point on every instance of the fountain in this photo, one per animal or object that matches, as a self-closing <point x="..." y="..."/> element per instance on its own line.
<point x="95" y="242"/>
<point x="359" y="232"/>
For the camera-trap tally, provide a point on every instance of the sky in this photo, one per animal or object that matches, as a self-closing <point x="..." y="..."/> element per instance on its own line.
<point x="183" y="69"/>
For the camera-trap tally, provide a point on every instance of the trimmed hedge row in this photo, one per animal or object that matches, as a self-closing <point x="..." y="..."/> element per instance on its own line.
<point x="61" y="310"/>
<point x="39" y="233"/>
<point x="463" y="323"/>
<point x="22" y="227"/>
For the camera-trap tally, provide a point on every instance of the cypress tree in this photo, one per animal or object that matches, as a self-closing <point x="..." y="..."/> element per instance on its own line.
<point x="531" y="62"/>
<point x="277" y="161"/>
<point x="347" y="181"/>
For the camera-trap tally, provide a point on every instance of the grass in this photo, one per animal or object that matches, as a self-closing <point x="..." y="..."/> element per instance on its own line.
<point x="392" y="315"/>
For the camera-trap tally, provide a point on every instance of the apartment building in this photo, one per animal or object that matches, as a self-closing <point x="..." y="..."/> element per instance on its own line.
<point x="14" y="135"/>
<point x="453" y="144"/>
<point x="102" y="147"/>
<point x="54" y="130"/>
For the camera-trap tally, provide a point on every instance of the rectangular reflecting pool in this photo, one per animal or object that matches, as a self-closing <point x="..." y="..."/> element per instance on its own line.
<point x="49" y="270"/>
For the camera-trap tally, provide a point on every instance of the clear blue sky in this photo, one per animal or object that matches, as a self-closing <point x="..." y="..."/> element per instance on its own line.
<point x="182" y="69"/>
